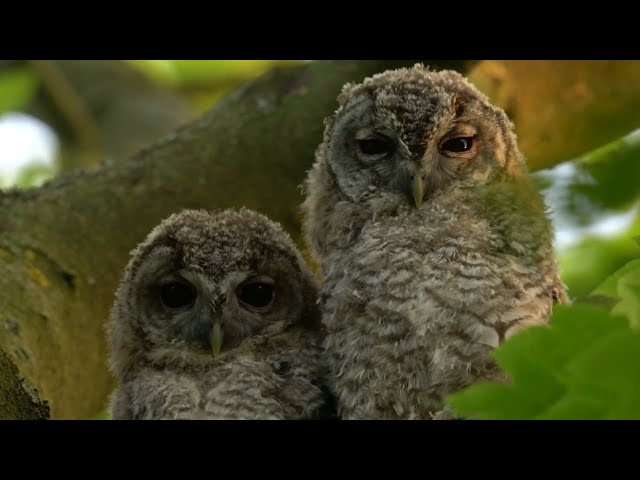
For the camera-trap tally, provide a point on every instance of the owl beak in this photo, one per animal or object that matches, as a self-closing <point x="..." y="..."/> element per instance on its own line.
<point x="216" y="339"/>
<point x="417" y="190"/>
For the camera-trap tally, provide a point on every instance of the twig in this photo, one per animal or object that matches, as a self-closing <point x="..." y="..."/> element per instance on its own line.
<point x="68" y="102"/>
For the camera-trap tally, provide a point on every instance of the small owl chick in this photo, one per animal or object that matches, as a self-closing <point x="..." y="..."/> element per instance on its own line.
<point x="216" y="318"/>
<point x="433" y="242"/>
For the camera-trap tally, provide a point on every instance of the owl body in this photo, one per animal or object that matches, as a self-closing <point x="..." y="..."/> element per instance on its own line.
<point x="428" y="261"/>
<point x="216" y="318"/>
<point x="272" y="376"/>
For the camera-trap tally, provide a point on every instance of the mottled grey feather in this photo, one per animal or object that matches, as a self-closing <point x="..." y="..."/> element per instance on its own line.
<point x="414" y="299"/>
<point x="271" y="365"/>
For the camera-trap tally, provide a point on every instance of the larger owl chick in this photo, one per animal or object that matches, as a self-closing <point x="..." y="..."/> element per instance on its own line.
<point x="216" y="318"/>
<point x="432" y="240"/>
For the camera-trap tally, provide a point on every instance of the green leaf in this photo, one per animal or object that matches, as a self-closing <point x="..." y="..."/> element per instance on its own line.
<point x="585" y="265"/>
<point x="608" y="176"/>
<point x="610" y="286"/>
<point x="17" y="87"/>
<point x="629" y="293"/>
<point x="608" y="364"/>
<point x="574" y="406"/>
<point x="624" y="286"/>
<point x="493" y="401"/>
<point x="625" y="409"/>
<point x="570" y="330"/>
<point x="584" y="365"/>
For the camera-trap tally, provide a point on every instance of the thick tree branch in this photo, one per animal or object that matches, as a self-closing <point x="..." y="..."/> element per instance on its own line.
<point x="563" y="108"/>
<point x="68" y="102"/>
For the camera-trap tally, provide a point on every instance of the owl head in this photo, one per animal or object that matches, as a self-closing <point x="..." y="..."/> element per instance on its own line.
<point x="403" y="135"/>
<point x="203" y="281"/>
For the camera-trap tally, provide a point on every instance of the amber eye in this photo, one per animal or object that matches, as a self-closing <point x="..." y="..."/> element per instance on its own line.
<point x="178" y="294"/>
<point x="456" y="145"/>
<point x="375" y="146"/>
<point x="256" y="294"/>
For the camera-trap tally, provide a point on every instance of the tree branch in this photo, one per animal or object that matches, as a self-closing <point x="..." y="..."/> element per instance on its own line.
<point x="68" y="102"/>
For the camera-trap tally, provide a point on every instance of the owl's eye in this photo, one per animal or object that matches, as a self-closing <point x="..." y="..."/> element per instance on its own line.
<point x="456" y="145"/>
<point x="178" y="294"/>
<point x="375" y="146"/>
<point x="256" y="294"/>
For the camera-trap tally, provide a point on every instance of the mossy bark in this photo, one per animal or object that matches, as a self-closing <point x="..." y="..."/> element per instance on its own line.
<point x="563" y="108"/>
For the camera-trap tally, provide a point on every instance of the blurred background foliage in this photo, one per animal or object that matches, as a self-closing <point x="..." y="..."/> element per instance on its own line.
<point x="59" y="115"/>
<point x="107" y="110"/>
<point x="204" y="81"/>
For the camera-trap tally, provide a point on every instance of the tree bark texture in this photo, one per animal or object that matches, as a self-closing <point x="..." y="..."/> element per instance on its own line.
<point x="563" y="108"/>
<point x="18" y="401"/>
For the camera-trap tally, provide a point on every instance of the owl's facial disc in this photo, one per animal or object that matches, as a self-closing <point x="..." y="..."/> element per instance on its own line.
<point x="381" y="145"/>
<point x="204" y="282"/>
<point x="177" y="294"/>
<point x="417" y="190"/>
<point x="397" y="140"/>
<point x="212" y="310"/>
<point x="455" y="149"/>
<point x="375" y="145"/>
<point x="179" y="306"/>
<point x="256" y="296"/>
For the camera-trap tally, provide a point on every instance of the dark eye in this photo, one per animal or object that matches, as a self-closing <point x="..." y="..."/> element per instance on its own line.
<point x="178" y="294"/>
<point x="375" y="146"/>
<point x="456" y="145"/>
<point x="258" y="295"/>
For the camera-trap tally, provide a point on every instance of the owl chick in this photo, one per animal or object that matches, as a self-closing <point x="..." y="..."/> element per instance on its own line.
<point x="216" y="318"/>
<point x="433" y="242"/>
